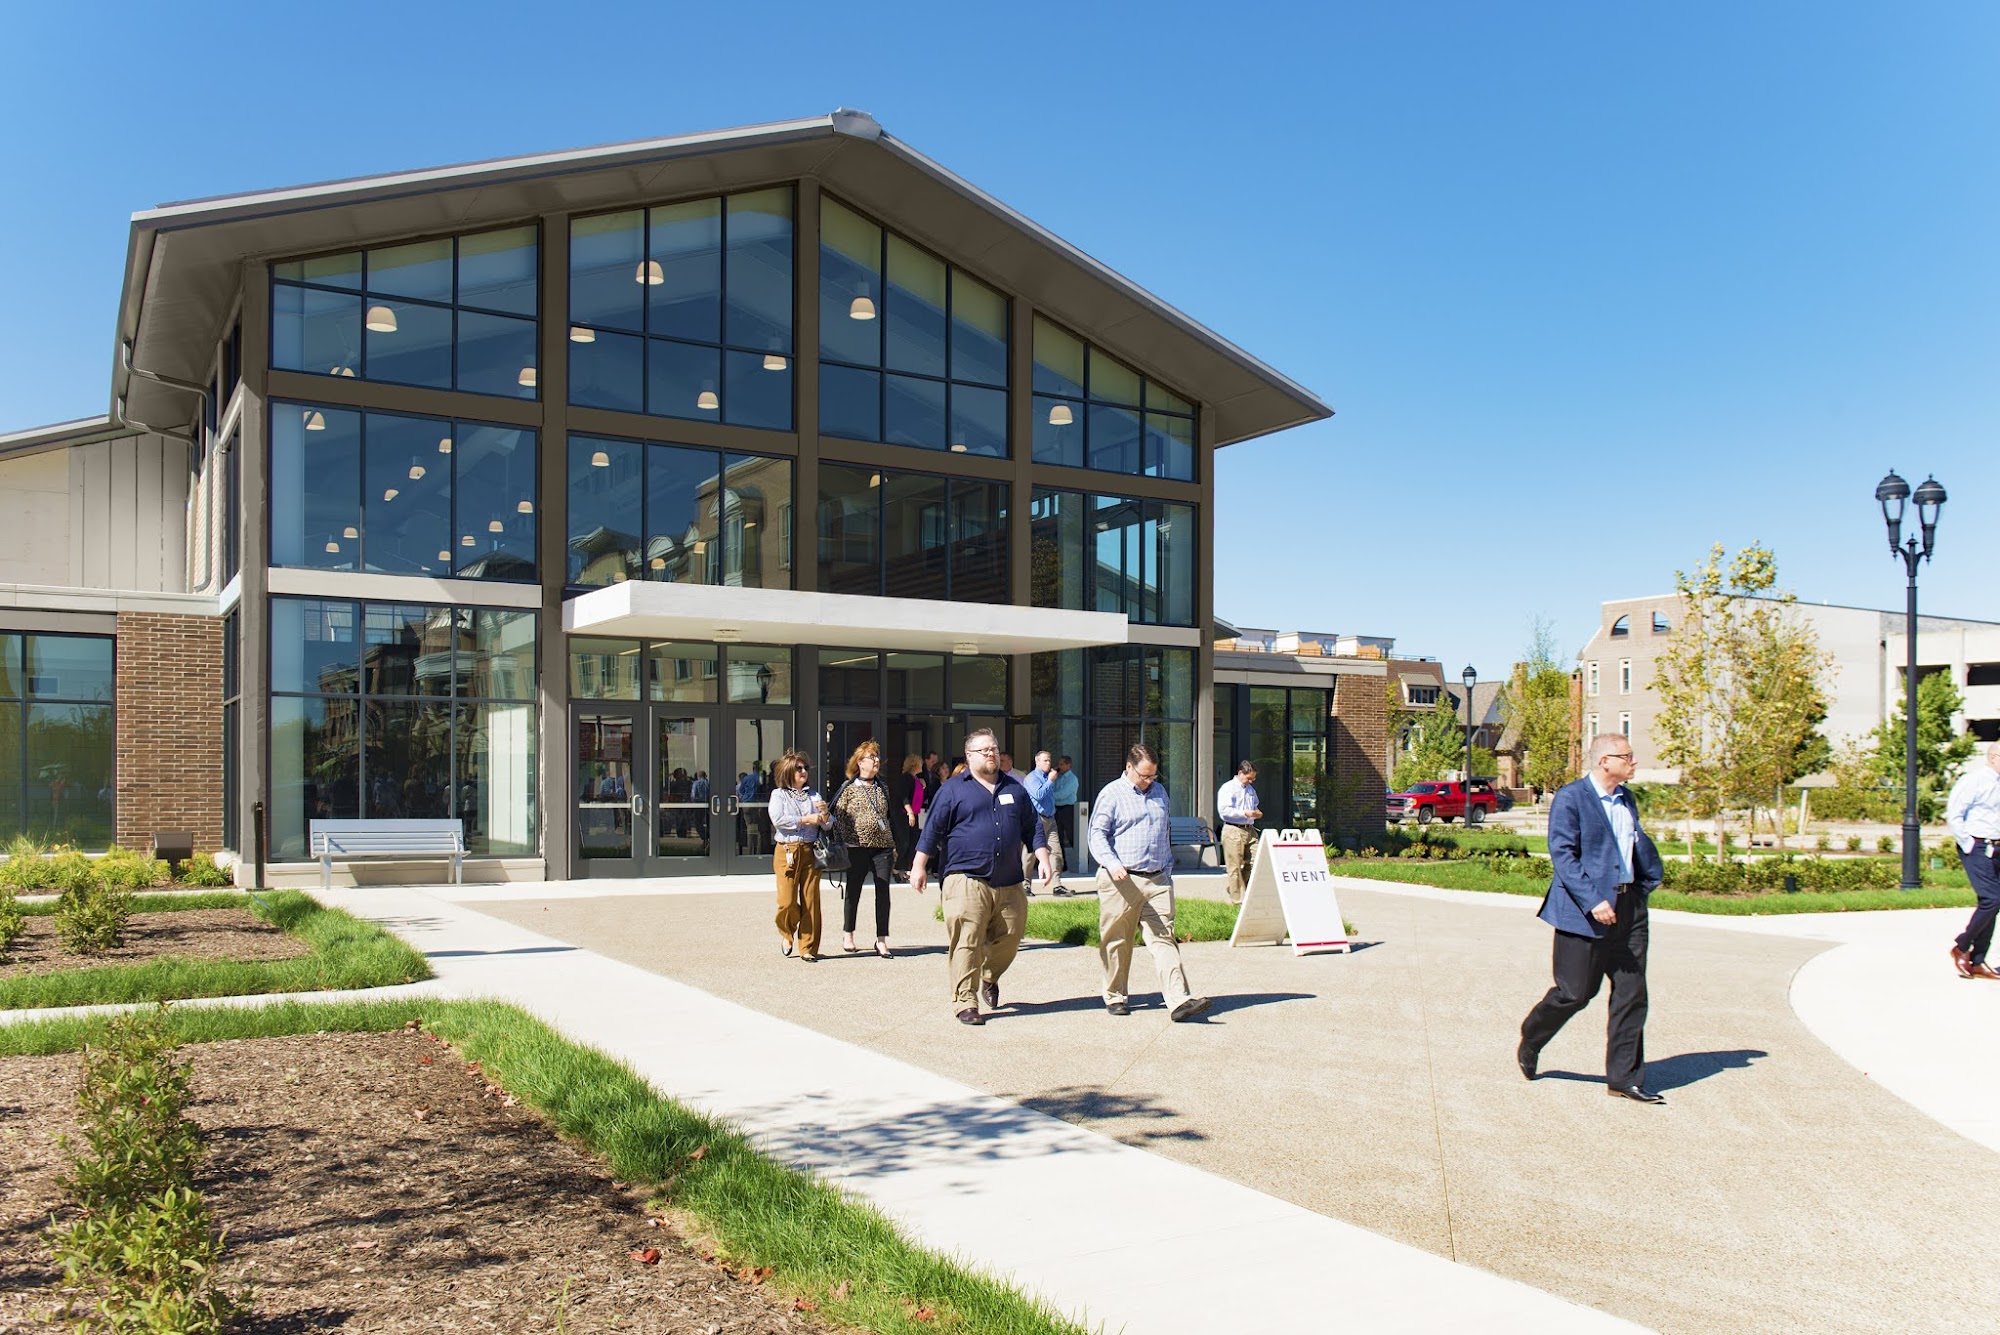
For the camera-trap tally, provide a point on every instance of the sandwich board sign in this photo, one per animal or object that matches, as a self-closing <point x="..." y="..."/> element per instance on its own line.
<point x="1290" y="895"/>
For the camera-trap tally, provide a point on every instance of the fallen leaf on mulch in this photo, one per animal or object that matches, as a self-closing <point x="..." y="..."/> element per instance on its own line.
<point x="647" y="1256"/>
<point x="804" y="1305"/>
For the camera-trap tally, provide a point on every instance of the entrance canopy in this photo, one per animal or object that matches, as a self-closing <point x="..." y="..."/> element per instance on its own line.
<point x="646" y="609"/>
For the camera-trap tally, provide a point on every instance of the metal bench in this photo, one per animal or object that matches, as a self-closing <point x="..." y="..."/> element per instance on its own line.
<point x="1193" y="832"/>
<point x="387" y="840"/>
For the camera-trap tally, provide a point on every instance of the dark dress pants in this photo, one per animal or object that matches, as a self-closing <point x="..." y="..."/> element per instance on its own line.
<point x="1581" y="964"/>
<point x="861" y="862"/>
<point x="1979" y="866"/>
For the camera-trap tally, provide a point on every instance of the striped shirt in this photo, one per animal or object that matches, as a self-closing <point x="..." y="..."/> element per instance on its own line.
<point x="787" y="805"/>
<point x="1129" y="828"/>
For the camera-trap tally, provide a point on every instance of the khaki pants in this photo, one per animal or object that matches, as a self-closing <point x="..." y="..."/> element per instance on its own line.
<point x="1239" y="851"/>
<point x="1147" y="903"/>
<point x="983" y="923"/>
<point x="1029" y="871"/>
<point x="799" y="914"/>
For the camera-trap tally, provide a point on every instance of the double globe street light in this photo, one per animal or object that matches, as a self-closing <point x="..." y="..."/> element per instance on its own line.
<point x="1893" y="492"/>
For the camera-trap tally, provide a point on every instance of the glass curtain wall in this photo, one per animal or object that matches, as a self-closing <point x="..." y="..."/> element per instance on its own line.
<point x="395" y="494"/>
<point x="677" y="513"/>
<point x="457" y="313"/>
<point x="685" y="310"/>
<point x="1114" y="554"/>
<point x="912" y="535"/>
<point x="1093" y="704"/>
<point x="57" y="740"/>
<point x="913" y="351"/>
<point x="1286" y="734"/>
<point x="402" y="710"/>
<point x="1093" y="411"/>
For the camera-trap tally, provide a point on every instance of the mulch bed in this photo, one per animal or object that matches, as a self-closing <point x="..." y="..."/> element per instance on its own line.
<point x="205" y="934"/>
<point x="377" y="1182"/>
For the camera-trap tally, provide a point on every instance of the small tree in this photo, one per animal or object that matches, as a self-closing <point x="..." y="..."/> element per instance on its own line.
<point x="1535" y="705"/>
<point x="1437" y="746"/>
<point x="1940" y="752"/>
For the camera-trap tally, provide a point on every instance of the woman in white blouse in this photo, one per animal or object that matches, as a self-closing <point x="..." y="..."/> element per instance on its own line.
<point x="798" y="815"/>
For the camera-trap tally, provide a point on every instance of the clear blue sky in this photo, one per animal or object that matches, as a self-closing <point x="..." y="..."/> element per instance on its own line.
<point x="1591" y="286"/>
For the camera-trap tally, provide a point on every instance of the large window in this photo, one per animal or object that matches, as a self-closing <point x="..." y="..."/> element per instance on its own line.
<point x="1094" y="703"/>
<point x="912" y="350"/>
<point x="911" y="535"/>
<point x="452" y="314"/>
<point x="1284" y="734"/>
<point x="1114" y="554"/>
<point x="401" y="495"/>
<point x="1093" y="411"/>
<point x="394" y="710"/>
<point x="865" y="679"/>
<point x="677" y="513"/>
<point x="685" y="310"/>
<point x="57" y="749"/>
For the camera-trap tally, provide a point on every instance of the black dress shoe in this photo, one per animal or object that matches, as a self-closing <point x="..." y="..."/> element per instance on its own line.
<point x="990" y="991"/>
<point x="1118" y="1008"/>
<point x="1637" y="1093"/>
<point x="1530" y="1063"/>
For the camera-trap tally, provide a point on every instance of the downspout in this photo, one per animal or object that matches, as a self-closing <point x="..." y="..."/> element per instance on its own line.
<point x="206" y="527"/>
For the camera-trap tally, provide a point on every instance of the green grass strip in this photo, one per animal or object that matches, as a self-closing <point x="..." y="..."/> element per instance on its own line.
<point x="760" y="1212"/>
<point x="1467" y="876"/>
<point x="157" y="903"/>
<point x="346" y="953"/>
<point x="1073" y="922"/>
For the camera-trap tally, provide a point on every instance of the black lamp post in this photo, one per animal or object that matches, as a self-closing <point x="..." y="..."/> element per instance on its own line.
<point x="1892" y="491"/>
<point x="1471" y="679"/>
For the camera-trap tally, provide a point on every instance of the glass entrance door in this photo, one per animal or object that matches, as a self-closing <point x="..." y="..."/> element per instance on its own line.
<point x="608" y="807"/>
<point x="683" y="793"/>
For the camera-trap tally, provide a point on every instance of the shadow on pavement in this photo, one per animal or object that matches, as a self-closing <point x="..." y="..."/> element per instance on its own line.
<point x="1089" y="1104"/>
<point x="1688" y="1067"/>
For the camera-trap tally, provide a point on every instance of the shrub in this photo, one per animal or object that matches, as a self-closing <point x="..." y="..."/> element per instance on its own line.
<point x="150" y="1266"/>
<point x="1886" y="844"/>
<point x="201" y="870"/>
<point x="91" y="916"/>
<point x="1823" y="843"/>
<point x="23" y="868"/>
<point x="1854" y="843"/>
<point x="132" y="1098"/>
<point x="68" y="870"/>
<point x="11" y="921"/>
<point x="1371" y="852"/>
<point x="123" y="868"/>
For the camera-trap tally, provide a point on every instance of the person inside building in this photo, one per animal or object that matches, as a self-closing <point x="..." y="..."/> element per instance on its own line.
<point x="906" y="810"/>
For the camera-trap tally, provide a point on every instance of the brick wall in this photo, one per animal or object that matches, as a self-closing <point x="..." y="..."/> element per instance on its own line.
<point x="169" y="728"/>
<point x="1360" y="743"/>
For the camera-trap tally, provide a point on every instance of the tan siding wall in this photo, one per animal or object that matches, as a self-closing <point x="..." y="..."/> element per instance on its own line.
<point x="110" y="514"/>
<point x="35" y="546"/>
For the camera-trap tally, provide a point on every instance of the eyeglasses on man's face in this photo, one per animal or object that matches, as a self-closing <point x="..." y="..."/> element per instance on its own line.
<point x="982" y="751"/>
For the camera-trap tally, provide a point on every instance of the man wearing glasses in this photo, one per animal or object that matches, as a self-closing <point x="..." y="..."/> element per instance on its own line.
<point x="1135" y="884"/>
<point x="1605" y="866"/>
<point x="984" y="821"/>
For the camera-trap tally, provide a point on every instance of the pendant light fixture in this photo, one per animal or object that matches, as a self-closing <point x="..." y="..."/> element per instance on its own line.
<point x="465" y="541"/>
<point x="445" y="556"/>
<point x="580" y="333"/>
<point x="332" y="546"/>
<point x="657" y="563"/>
<point x="391" y="494"/>
<point x="527" y="377"/>
<point x="382" y="319"/>
<point x="1060" y="415"/>
<point x="619" y="577"/>
<point x="600" y="460"/>
<point x="706" y="400"/>
<point x="350" y="532"/>
<point x="649" y="273"/>
<point x="444" y="445"/>
<point x="526" y="507"/>
<point x="315" y="420"/>
<point x="774" y="361"/>
<point x="874" y="479"/>
<point x="347" y="371"/>
<point x="416" y="471"/>
<point x="495" y="526"/>
<point x="958" y="447"/>
<point x="861" y="308"/>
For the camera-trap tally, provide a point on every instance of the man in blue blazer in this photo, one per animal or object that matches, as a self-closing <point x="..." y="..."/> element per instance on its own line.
<point x="1605" y="866"/>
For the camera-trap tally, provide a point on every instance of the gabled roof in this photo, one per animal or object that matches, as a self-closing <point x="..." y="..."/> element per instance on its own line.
<point x="183" y="261"/>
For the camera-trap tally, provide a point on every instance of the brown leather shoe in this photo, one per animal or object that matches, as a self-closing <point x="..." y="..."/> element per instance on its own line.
<point x="1984" y="970"/>
<point x="1962" y="962"/>
<point x="971" y="1015"/>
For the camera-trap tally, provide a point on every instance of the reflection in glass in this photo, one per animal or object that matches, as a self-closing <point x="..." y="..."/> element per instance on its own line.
<point x="604" y="785"/>
<point x="315" y="645"/>
<point x="978" y="332"/>
<point x="315" y="331"/>
<point x="978" y="541"/>
<point x="681" y="787"/>
<point x="915" y="681"/>
<point x="759" y="273"/>
<point x="496" y="654"/>
<point x="681" y="378"/>
<point x="756" y="394"/>
<point x="603" y="669"/>
<point x="70" y="767"/>
<point x="495" y="749"/>
<point x="979" y="421"/>
<point x="12" y="683"/>
<point x="850" y="402"/>
<point x="913" y="322"/>
<point x="315" y="487"/>
<point x="68" y="667"/>
<point x="606" y="481"/>
<point x="421" y="269"/>
<point x="408" y="760"/>
<point x="496" y="355"/>
<point x="409" y="519"/>
<point x="682" y="541"/>
<point x="315" y="767"/>
<point x="913" y="412"/>
<point x="609" y="371"/>
<point x="606" y="271"/>
<point x="495" y="471"/>
<point x="850" y="284"/>
<point x="414" y="349"/>
<point x="757" y="549"/>
<point x="1059" y="426"/>
<point x="850" y="677"/>
<point x="1058" y="361"/>
<point x="849" y="529"/>
<point x="760" y="674"/>
<point x="978" y="681"/>
<point x="685" y="241"/>
<point x="1169" y="447"/>
<point x="1114" y="439"/>
<point x="497" y="270"/>
<point x="406" y="649"/>
<point x="915" y="536"/>
<point x="681" y="672"/>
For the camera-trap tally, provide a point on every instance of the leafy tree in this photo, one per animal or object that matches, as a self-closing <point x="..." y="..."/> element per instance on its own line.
<point x="1739" y="686"/>
<point x="1940" y="753"/>
<point x="1535" y="705"/>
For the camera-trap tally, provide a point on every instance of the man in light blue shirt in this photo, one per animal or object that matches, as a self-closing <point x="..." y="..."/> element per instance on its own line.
<point x="1237" y="806"/>
<point x="1129" y="837"/>
<point x="1973" y="814"/>
<point x="1040" y="783"/>
<point x="1065" y="796"/>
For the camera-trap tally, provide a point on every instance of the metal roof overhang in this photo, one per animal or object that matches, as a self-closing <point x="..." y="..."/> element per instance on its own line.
<point x="644" y="609"/>
<point x="184" y="261"/>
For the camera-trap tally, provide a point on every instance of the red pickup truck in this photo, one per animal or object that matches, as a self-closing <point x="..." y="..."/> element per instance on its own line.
<point x="1442" y="801"/>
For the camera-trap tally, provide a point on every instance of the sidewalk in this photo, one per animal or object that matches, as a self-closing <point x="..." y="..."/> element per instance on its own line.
<point x="1011" y="1191"/>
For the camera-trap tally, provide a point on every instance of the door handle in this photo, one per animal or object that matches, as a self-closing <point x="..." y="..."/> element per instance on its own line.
<point x="638" y="804"/>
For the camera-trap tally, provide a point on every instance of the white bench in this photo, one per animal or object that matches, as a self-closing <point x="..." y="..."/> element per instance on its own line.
<point x="387" y="840"/>
<point x="1192" y="832"/>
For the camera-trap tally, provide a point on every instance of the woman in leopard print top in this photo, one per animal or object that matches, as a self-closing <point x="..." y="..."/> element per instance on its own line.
<point x="861" y="815"/>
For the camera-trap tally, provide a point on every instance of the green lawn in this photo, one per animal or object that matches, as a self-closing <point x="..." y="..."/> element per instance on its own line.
<point x="1470" y="876"/>
<point x="346" y="953"/>
<point x="1074" y="921"/>
<point x="824" y="1245"/>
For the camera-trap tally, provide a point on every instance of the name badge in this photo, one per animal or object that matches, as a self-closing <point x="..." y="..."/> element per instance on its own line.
<point x="1006" y="799"/>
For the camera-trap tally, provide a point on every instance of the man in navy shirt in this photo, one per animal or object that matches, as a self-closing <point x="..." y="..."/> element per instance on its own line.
<point x="977" y="827"/>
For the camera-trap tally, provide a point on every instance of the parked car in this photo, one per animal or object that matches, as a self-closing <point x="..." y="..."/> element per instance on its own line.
<point x="1444" y="800"/>
<point x="1503" y="796"/>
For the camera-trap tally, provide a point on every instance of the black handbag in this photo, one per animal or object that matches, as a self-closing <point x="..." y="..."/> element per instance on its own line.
<point x="830" y="850"/>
